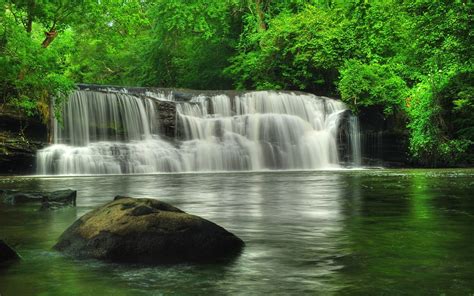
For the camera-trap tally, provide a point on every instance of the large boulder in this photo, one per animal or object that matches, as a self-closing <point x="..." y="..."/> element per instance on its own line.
<point x="7" y="253"/>
<point x="147" y="231"/>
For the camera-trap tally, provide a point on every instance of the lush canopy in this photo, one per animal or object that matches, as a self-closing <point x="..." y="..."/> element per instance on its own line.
<point x="410" y="59"/>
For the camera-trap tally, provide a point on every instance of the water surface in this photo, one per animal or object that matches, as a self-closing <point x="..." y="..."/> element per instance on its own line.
<point x="391" y="232"/>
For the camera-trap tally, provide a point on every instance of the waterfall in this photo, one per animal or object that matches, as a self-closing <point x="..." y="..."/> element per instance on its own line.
<point x="108" y="133"/>
<point x="355" y="140"/>
<point x="97" y="116"/>
<point x="117" y="132"/>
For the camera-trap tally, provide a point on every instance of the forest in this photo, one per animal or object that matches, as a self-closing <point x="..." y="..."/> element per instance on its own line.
<point x="409" y="61"/>
<point x="236" y="147"/>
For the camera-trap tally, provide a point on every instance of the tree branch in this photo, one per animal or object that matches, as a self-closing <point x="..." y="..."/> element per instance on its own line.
<point x="17" y="20"/>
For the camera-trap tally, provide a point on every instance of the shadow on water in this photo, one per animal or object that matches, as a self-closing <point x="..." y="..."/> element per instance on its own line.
<point x="335" y="232"/>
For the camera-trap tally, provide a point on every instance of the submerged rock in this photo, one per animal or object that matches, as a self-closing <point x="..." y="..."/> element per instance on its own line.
<point x="13" y="197"/>
<point x="59" y="199"/>
<point x="48" y="200"/>
<point x="7" y="253"/>
<point x="147" y="231"/>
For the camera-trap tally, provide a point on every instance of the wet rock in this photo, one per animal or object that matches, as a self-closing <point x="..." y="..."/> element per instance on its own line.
<point x="147" y="231"/>
<point x="48" y="200"/>
<point x="13" y="197"/>
<point x="117" y="197"/>
<point x="59" y="199"/>
<point x="384" y="139"/>
<point x="7" y="253"/>
<point x="20" y="137"/>
<point x="167" y="118"/>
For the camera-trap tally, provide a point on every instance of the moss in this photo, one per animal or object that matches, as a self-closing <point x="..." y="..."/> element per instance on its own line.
<point x="162" y="234"/>
<point x="119" y="217"/>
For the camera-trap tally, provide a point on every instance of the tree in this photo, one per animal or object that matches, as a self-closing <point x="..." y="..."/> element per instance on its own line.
<point x="191" y="43"/>
<point x="54" y="15"/>
<point x="410" y="60"/>
<point x="110" y="42"/>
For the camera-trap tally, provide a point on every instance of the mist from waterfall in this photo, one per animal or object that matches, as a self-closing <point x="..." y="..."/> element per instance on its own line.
<point x="118" y="133"/>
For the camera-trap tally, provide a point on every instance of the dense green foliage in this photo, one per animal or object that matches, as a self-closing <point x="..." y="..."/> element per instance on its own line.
<point x="410" y="59"/>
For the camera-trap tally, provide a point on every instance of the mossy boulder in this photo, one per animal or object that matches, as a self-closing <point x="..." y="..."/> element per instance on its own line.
<point x="147" y="231"/>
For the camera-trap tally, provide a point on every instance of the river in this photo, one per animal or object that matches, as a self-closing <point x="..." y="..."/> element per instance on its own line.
<point x="340" y="232"/>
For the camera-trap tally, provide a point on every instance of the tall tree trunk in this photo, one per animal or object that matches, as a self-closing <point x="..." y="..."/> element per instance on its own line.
<point x="30" y="16"/>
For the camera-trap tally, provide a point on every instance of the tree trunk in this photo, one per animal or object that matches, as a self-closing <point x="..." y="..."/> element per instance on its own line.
<point x="30" y="16"/>
<point x="29" y="24"/>
<point x="49" y="37"/>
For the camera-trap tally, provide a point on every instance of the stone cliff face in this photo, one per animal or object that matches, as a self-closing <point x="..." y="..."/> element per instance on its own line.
<point x="167" y="118"/>
<point x="20" y="138"/>
<point x="384" y="141"/>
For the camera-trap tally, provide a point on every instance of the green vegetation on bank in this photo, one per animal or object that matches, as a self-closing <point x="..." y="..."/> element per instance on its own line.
<point x="410" y="60"/>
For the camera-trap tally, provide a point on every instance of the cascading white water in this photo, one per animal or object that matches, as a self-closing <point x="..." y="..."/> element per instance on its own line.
<point x="265" y="130"/>
<point x="115" y="132"/>
<point x="108" y="133"/>
<point x="98" y="116"/>
<point x="355" y="141"/>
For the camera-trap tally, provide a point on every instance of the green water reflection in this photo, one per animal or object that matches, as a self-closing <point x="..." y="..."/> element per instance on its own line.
<point x="413" y="235"/>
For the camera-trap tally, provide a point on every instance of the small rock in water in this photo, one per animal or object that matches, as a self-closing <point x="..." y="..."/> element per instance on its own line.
<point x="14" y="197"/>
<point x="59" y="199"/>
<point x="7" y="253"/>
<point x="147" y="231"/>
<point x="49" y="200"/>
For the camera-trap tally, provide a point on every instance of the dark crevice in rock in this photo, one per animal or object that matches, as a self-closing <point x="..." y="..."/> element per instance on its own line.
<point x="142" y="210"/>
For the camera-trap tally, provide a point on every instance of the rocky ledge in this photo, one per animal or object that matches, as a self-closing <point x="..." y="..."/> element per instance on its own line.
<point x="20" y="138"/>
<point x="147" y="231"/>
<point x="17" y="154"/>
